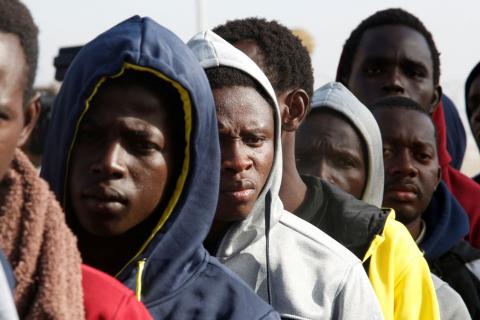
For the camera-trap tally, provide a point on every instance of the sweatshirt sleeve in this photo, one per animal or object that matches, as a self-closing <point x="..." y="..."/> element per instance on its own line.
<point x="356" y="298"/>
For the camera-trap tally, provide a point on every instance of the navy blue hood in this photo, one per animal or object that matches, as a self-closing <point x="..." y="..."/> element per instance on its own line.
<point x="446" y="221"/>
<point x="456" y="139"/>
<point x="172" y="272"/>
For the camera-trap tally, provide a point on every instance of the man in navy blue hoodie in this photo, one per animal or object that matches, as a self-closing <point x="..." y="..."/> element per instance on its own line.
<point x="133" y="156"/>
<point x="412" y="187"/>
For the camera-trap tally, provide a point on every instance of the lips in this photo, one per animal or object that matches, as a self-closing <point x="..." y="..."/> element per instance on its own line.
<point x="104" y="199"/>
<point x="404" y="192"/>
<point x="238" y="190"/>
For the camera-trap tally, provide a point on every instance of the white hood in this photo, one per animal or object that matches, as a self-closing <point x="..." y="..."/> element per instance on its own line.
<point x="336" y="97"/>
<point x="298" y="269"/>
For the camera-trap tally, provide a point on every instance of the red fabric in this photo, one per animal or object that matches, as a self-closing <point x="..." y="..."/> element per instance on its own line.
<point x="465" y="190"/>
<point x="107" y="298"/>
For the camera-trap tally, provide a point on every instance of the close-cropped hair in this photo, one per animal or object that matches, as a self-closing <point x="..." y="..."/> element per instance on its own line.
<point x="15" y="18"/>
<point x="221" y="77"/>
<point x="394" y="16"/>
<point x="402" y="103"/>
<point x="287" y="63"/>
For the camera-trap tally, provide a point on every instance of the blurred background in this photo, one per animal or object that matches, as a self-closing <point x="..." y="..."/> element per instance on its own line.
<point x="326" y="24"/>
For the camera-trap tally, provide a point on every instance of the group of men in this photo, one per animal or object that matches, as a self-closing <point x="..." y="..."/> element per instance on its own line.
<point x="213" y="182"/>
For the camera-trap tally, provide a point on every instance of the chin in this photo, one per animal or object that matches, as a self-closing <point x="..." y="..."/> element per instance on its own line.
<point x="232" y="216"/>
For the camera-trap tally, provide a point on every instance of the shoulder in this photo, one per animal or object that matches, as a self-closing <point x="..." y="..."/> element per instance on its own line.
<point x="105" y="297"/>
<point x="311" y="239"/>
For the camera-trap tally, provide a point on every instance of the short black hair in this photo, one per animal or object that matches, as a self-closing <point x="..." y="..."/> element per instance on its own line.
<point x="287" y="62"/>
<point x="220" y="77"/>
<point x="471" y="77"/>
<point x="402" y="103"/>
<point x="15" y="18"/>
<point x="394" y="16"/>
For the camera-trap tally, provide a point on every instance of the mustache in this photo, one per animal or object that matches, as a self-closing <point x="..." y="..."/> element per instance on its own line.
<point x="237" y="185"/>
<point x="402" y="185"/>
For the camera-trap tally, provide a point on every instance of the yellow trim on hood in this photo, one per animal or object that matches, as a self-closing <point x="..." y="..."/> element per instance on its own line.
<point x="187" y="108"/>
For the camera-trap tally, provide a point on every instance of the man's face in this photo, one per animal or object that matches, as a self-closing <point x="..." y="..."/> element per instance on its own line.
<point x="246" y="128"/>
<point x="122" y="160"/>
<point x="412" y="172"/>
<point x="327" y="146"/>
<point x="12" y="82"/>
<point x="473" y="105"/>
<point x="394" y="60"/>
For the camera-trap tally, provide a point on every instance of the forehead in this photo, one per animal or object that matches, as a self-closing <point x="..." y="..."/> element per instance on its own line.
<point x="128" y="100"/>
<point x="241" y="102"/>
<point x="326" y="122"/>
<point x="392" y="40"/>
<point x="402" y="124"/>
<point x="12" y="63"/>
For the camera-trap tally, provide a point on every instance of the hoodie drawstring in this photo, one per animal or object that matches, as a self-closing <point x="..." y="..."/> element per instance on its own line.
<point x="268" y="204"/>
<point x="138" y="288"/>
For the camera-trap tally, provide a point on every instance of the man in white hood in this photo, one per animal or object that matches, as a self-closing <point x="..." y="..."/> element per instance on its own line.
<point x="298" y="269"/>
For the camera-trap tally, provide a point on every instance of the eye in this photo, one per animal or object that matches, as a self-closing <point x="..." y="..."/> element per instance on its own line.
<point x="372" y="70"/>
<point x="423" y="156"/>
<point x="145" y="146"/>
<point x="254" y="140"/>
<point x="387" y="152"/>
<point x="345" y="162"/>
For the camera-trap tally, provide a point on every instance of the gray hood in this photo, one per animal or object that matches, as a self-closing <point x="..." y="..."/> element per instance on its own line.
<point x="336" y="97"/>
<point x="212" y="51"/>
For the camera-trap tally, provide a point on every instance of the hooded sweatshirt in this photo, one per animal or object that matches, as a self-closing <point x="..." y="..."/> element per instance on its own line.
<point x="449" y="256"/>
<point x="397" y="270"/>
<point x="298" y="269"/>
<point x="464" y="189"/>
<point x="171" y="272"/>
<point x="456" y="139"/>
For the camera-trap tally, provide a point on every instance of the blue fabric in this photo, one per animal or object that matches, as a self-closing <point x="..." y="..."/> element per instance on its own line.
<point x="7" y="269"/>
<point x="456" y="139"/>
<point x="180" y="279"/>
<point x="446" y="221"/>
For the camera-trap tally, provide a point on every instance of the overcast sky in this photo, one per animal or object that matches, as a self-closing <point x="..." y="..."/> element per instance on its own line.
<point x="454" y="27"/>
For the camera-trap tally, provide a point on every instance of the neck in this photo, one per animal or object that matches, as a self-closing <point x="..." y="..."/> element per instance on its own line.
<point x="293" y="189"/>
<point x="215" y="235"/>
<point x="111" y="254"/>
<point x="415" y="227"/>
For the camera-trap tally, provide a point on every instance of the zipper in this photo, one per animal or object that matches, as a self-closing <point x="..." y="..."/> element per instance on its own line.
<point x="138" y="288"/>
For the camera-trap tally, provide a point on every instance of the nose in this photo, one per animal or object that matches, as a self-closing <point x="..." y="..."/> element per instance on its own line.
<point x="393" y="83"/>
<point x="325" y="172"/>
<point x="235" y="157"/>
<point x="110" y="161"/>
<point x="402" y="164"/>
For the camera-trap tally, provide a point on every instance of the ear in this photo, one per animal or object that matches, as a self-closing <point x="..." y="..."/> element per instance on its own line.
<point x="31" y="113"/>
<point x="293" y="106"/>
<point x="437" y="96"/>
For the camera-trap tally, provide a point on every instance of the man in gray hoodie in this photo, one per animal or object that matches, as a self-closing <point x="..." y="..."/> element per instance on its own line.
<point x="298" y="269"/>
